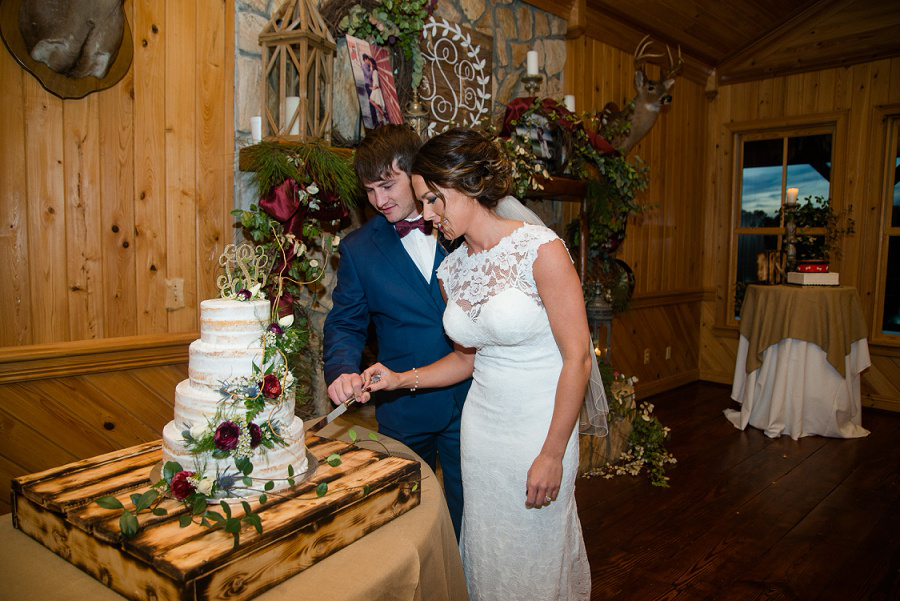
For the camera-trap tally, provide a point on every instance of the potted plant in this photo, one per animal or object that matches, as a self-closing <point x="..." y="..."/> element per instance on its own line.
<point x="820" y="232"/>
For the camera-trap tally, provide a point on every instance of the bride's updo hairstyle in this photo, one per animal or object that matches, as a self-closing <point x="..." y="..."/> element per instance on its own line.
<point x="464" y="160"/>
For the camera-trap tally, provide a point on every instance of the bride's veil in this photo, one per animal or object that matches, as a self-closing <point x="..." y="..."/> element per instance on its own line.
<point x="592" y="419"/>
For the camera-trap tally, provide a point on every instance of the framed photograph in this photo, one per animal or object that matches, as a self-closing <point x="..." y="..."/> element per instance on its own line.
<point x="378" y="101"/>
<point x="542" y="138"/>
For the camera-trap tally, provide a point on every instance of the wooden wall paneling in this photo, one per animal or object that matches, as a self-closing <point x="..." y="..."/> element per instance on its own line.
<point x="825" y="99"/>
<point x="150" y="167"/>
<point x="215" y="143"/>
<point x="8" y="471"/>
<point x="117" y="193"/>
<point x="881" y="383"/>
<point x="162" y="380"/>
<point x="15" y="272"/>
<point x="794" y="93"/>
<point x="116" y="422"/>
<point x="181" y="77"/>
<point x="26" y="445"/>
<point x="81" y="157"/>
<point x="44" y="182"/>
<point x="144" y="411"/>
<point x="62" y="415"/>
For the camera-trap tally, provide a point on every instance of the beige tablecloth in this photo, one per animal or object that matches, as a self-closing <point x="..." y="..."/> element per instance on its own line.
<point x="800" y="355"/>
<point x="413" y="557"/>
<point x="828" y="316"/>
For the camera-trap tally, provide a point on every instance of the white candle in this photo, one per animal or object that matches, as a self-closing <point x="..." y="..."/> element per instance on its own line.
<point x="569" y="102"/>
<point x="792" y="196"/>
<point x="256" y="129"/>
<point x="531" y="62"/>
<point x="290" y="107"/>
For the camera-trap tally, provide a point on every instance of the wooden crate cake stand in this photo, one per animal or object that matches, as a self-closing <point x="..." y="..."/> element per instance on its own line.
<point x="165" y="561"/>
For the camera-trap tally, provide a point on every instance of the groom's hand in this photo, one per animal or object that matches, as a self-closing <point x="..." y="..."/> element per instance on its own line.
<point x="345" y="387"/>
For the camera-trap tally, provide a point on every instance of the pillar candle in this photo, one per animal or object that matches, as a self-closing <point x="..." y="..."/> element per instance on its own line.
<point x="792" y="196"/>
<point x="290" y="107"/>
<point x="569" y="102"/>
<point x="531" y="62"/>
<point x="256" y="129"/>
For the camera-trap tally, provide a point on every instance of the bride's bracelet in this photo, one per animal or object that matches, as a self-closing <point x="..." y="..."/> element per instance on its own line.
<point x="416" y="386"/>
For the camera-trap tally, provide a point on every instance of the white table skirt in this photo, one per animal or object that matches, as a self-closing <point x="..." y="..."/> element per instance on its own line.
<point x="798" y="393"/>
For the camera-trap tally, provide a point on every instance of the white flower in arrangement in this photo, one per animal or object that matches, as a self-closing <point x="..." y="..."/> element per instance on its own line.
<point x="254" y="290"/>
<point x="335" y="241"/>
<point x="286" y="321"/>
<point x="312" y="188"/>
<point x="204" y="486"/>
<point x="314" y="263"/>
<point x="199" y="430"/>
<point x="299" y="249"/>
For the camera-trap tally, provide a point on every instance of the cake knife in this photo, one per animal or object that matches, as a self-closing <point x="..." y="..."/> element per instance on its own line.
<point x="340" y="409"/>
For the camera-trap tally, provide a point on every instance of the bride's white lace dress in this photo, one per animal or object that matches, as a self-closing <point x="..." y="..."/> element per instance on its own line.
<point x="510" y="552"/>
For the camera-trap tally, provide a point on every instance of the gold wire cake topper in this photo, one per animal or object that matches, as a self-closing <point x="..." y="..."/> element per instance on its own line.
<point x="245" y="267"/>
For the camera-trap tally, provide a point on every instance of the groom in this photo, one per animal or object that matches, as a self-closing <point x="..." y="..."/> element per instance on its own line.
<point x="386" y="275"/>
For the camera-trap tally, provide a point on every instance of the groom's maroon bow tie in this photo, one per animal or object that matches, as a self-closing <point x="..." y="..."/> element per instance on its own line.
<point x="404" y="227"/>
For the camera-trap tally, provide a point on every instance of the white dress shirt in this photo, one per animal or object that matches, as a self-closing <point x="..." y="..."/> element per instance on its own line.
<point x="421" y="249"/>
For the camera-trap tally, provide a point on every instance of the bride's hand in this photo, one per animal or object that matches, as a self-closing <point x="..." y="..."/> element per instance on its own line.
<point x="388" y="379"/>
<point x="542" y="485"/>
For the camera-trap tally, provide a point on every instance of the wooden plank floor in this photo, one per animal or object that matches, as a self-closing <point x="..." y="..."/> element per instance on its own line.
<point x="749" y="517"/>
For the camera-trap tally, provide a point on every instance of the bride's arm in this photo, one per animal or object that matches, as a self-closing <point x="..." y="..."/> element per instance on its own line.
<point x="446" y="371"/>
<point x="560" y="291"/>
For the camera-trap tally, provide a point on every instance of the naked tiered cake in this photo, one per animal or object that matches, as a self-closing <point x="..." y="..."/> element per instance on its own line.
<point x="234" y="416"/>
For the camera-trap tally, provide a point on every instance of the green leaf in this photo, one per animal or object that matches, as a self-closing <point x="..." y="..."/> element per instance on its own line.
<point x="146" y="499"/>
<point x="415" y="487"/>
<point x="109" y="502"/>
<point x="170" y="469"/>
<point x="136" y="500"/>
<point x="352" y="434"/>
<point x="290" y="470"/>
<point x="263" y="498"/>
<point x="185" y="520"/>
<point x="373" y="436"/>
<point x="366" y="490"/>
<point x="247" y="481"/>
<point x="159" y="511"/>
<point x="269" y="485"/>
<point x="199" y="506"/>
<point x="322" y="489"/>
<point x="334" y="460"/>
<point x="215" y="516"/>
<point x="128" y="525"/>
<point x="237" y="540"/>
<point x="232" y="525"/>
<point x="220" y="454"/>
<point x="290" y="481"/>
<point x="226" y="508"/>
<point x="205" y="523"/>
<point x="246" y="506"/>
<point x="254" y="520"/>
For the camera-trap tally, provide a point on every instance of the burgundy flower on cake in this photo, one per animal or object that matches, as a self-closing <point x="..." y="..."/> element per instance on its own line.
<point x="181" y="485"/>
<point x="276" y="329"/>
<point x="271" y="386"/>
<point x="255" y="435"/>
<point x="226" y="437"/>
<point x="244" y="295"/>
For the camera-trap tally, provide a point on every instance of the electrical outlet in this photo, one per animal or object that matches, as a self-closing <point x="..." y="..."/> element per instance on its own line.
<point x="668" y="353"/>
<point x="646" y="356"/>
<point x="175" y="294"/>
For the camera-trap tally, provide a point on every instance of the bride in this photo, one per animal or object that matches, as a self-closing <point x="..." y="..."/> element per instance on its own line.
<point x="516" y="313"/>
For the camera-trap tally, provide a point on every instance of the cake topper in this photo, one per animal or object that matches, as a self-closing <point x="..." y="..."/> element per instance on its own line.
<point x="246" y="268"/>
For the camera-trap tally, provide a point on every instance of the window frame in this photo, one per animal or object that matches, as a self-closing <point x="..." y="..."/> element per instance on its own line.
<point x="739" y="132"/>
<point x="888" y="122"/>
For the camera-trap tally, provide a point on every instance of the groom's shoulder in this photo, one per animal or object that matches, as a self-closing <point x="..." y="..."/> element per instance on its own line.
<point x="363" y="234"/>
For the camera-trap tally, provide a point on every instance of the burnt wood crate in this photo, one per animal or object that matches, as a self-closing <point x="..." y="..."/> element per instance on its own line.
<point x="165" y="561"/>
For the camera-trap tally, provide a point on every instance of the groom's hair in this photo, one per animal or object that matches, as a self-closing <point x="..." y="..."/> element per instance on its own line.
<point x="381" y="147"/>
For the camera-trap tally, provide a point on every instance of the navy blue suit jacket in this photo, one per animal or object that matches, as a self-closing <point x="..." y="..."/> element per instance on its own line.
<point x="378" y="281"/>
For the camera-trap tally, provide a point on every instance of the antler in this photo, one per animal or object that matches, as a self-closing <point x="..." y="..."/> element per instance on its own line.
<point x="674" y="68"/>
<point x="641" y="54"/>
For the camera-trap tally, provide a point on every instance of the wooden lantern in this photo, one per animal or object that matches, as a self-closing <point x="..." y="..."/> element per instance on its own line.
<point x="298" y="61"/>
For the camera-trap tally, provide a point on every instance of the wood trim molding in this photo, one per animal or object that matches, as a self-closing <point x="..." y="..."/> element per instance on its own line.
<point x="21" y="364"/>
<point x="659" y="299"/>
<point x="560" y="8"/>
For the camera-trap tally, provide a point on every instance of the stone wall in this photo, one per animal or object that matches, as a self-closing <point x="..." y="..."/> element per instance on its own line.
<point x="516" y="28"/>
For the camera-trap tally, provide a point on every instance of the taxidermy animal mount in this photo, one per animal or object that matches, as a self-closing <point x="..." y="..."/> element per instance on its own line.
<point x="77" y="38"/>
<point x="625" y="128"/>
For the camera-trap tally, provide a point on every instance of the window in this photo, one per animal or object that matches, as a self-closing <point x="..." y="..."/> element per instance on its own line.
<point x="767" y="164"/>
<point x="889" y="276"/>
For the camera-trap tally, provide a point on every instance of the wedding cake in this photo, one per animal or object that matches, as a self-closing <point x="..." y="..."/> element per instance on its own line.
<point x="235" y="434"/>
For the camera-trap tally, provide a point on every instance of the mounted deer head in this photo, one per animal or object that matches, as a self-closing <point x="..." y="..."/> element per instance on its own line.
<point x="652" y="94"/>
